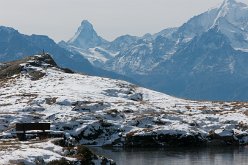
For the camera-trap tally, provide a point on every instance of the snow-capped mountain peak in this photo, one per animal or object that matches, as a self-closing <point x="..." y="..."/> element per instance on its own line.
<point x="86" y="37"/>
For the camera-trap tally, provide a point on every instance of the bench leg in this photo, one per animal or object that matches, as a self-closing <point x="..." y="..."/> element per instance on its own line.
<point x="21" y="136"/>
<point x="43" y="135"/>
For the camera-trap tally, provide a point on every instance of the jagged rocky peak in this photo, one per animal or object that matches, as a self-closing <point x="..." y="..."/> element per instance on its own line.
<point x="28" y="65"/>
<point x="86" y="36"/>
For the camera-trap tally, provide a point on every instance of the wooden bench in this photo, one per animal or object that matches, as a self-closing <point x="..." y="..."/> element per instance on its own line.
<point x="41" y="130"/>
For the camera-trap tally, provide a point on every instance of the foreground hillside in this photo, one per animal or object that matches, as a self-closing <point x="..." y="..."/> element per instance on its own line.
<point x="105" y="112"/>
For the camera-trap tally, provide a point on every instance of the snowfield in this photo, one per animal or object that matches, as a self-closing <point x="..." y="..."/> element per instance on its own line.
<point x="105" y="112"/>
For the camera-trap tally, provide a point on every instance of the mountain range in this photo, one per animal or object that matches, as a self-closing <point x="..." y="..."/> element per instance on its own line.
<point x="204" y="59"/>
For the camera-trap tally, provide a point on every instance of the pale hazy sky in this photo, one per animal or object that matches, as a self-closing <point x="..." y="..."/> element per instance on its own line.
<point x="60" y="19"/>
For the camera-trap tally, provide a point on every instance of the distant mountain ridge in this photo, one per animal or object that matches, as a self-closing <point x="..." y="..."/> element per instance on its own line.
<point x="181" y="61"/>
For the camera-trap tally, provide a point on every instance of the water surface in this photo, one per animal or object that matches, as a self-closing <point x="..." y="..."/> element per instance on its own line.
<point x="177" y="156"/>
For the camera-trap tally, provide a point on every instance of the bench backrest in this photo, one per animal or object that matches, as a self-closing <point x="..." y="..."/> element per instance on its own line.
<point x="32" y="126"/>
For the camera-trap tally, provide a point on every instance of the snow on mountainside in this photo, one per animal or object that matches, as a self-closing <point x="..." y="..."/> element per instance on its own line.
<point x="232" y="20"/>
<point x="208" y="68"/>
<point x="105" y="112"/>
<point x="121" y="43"/>
<point x="135" y="60"/>
<point x="97" y="56"/>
